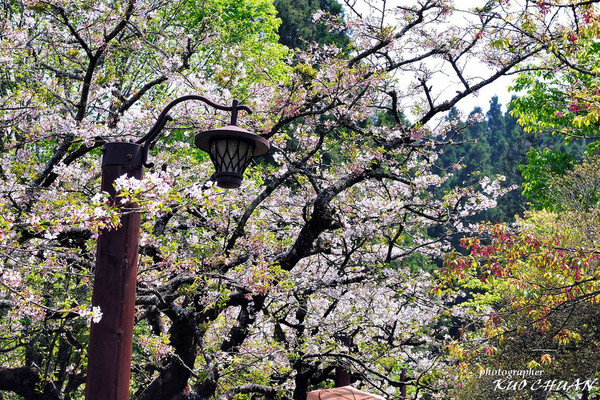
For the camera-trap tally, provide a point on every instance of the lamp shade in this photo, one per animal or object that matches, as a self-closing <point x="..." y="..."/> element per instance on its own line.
<point x="231" y="149"/>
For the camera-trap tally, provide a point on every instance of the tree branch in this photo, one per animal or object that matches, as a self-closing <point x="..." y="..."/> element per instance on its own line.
<point x="27" y="383"/>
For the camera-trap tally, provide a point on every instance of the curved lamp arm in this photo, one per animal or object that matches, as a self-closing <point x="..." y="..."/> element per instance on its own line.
<point x="164" y="117"/>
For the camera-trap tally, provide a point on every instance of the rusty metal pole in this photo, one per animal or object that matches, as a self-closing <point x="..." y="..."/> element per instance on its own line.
<point x="109" y="353"/>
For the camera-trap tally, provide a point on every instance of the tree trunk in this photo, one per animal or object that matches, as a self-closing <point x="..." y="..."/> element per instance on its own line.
<point x="27" y="383"/>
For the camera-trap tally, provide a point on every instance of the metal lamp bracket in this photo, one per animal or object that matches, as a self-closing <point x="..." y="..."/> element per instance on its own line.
<point x="147" y="140"/>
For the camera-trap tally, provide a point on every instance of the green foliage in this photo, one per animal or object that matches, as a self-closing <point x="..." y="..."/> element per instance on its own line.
<point x="561" y="102"/>
<point x="543" y="166"/>
<point x="559" y="99"/>
<point x="248" y="31"/>
<point x="541" y="109"/>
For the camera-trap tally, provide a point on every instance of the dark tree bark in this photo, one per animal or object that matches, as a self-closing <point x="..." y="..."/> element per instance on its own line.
<point x="173" y="380"/>
<point x="27" y="383"/>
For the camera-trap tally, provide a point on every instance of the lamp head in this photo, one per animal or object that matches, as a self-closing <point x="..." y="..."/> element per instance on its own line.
<point x="231" y="149"/>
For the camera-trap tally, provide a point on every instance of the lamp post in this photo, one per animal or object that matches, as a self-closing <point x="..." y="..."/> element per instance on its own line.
<point x="109" y="355"/>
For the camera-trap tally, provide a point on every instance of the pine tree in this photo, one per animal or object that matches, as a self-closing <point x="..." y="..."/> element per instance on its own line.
<point x="297" y="27"/>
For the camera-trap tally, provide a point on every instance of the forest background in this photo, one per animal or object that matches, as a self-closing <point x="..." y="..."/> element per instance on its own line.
<point x="386" y="233"/>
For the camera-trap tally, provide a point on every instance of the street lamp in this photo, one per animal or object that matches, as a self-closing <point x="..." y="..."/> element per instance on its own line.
<point x="231" y="149"/>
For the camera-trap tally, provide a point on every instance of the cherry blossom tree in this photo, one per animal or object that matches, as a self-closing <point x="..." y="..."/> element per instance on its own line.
<point x="266" y="290"/>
